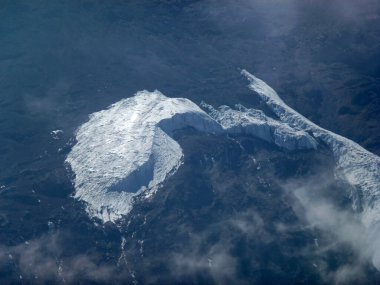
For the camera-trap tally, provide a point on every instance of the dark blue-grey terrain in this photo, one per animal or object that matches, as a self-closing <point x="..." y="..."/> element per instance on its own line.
<point x="221" y="221"/>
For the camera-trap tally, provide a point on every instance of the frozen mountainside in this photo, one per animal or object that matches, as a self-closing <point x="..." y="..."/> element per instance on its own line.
<point x="255" y="122"/>
<point x="358" y="166"/>
<point x="126" y="148"/>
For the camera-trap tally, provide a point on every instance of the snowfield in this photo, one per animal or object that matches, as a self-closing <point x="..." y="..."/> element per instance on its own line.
<point x="127" y="148"/>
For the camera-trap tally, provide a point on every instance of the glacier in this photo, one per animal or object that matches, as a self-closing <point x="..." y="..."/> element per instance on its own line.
<point x="125" y="149"/>
<point x="359" y="167"/>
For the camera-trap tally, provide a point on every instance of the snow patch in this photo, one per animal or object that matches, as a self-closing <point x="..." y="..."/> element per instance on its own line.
<point x="56" y="134"/>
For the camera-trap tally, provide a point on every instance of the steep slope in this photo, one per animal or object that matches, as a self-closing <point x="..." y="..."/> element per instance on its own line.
<point x="256" y="123"/>
<point x="358" y="166"/>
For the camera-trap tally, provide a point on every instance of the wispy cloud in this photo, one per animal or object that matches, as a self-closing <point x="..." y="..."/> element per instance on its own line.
<point x="46" y="260"/>
<point x="339" y="224"/>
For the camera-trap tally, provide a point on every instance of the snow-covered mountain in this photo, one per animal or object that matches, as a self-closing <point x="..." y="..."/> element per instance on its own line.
<point x="359" y="167"/>
<point x="127" y="150"/>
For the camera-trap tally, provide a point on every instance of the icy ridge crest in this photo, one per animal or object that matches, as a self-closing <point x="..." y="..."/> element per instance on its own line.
<point x="358" y="166"/>
<point x="254" y="122"/>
